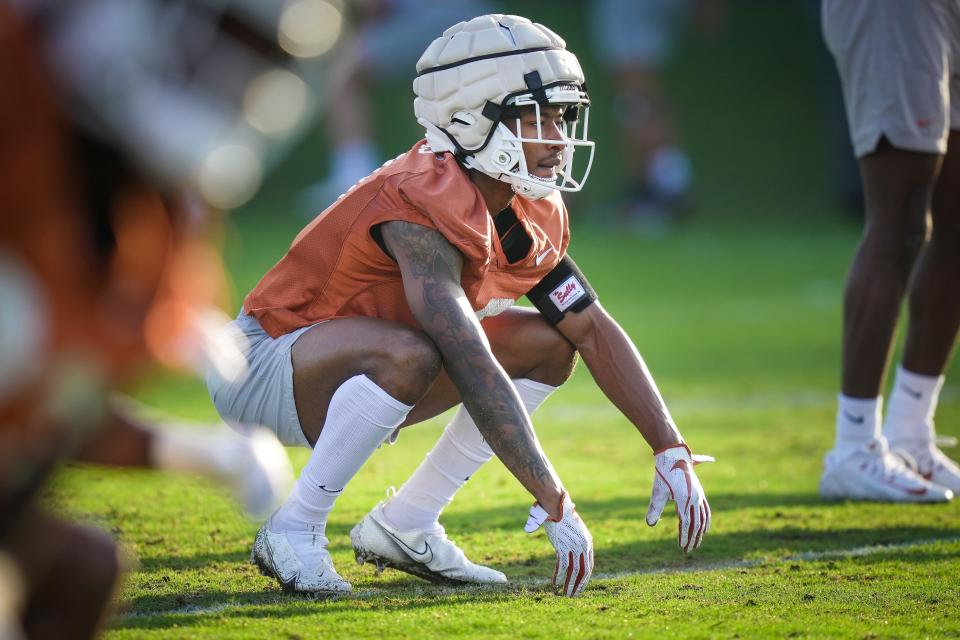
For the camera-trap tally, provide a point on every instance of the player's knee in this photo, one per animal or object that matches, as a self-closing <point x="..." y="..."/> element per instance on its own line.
<point x="410" y="364"/>
<point x="559" y="358"/>
<point x="915" y="234"/>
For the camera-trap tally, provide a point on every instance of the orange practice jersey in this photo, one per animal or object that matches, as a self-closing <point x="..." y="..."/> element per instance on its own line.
<point x="335" y="268"/>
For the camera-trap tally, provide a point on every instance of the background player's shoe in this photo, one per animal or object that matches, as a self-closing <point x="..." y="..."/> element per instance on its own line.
<point x="926" y="459"/>
<point x="426" y="554"/>
<point x="872" y="472"/>
<point x="298" y="560"/>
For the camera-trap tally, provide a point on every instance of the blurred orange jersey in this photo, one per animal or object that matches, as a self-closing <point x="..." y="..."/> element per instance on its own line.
<point x="335" y="267"/>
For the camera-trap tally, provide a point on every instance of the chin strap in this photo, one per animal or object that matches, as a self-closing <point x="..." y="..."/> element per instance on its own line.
<point x="436" y="138"/>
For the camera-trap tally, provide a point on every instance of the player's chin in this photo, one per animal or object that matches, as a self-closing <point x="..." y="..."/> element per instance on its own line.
<point x="545" y="173"/>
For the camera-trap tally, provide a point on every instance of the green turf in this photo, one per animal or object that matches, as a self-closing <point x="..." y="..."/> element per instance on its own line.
<point x="740" y="329"/>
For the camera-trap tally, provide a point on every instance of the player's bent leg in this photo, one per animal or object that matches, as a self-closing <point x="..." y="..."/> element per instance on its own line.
<point x="525" y="345"/>
<point x="355" y="380"/>
<point x="397" y="533"/>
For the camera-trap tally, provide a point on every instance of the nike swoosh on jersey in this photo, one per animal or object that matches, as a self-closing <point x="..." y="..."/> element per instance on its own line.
<point x="542" y="255"/>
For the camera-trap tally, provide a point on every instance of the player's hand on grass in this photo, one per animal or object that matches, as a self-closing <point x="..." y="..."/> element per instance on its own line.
<point x="572" y="542"/>
<point x="675" y="479"/>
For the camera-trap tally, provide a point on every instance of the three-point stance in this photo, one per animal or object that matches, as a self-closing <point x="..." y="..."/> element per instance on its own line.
<point x="393" y="305"/>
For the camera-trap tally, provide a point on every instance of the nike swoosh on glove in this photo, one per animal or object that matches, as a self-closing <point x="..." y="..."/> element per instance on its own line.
<point x="674" y="479"/>
<point x="572" y="542"/>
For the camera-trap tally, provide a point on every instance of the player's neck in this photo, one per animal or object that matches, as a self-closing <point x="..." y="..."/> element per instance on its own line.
<point x="497" y="194"/>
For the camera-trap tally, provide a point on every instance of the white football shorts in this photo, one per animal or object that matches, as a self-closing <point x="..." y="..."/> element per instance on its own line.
<point x="263" y="395"/>
<point x="899" y="64"/>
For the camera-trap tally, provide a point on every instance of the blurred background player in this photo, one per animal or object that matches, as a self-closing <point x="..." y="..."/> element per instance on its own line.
<point x="635" y="38"/>
<point x="389" y="37"/>
<point x="899" y="64"/>
<point x="129" y="123"/>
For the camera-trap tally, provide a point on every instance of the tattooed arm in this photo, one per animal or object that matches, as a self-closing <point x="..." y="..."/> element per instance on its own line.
<point x="430" y="267"/>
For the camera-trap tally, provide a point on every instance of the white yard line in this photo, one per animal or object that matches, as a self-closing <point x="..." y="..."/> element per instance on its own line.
<point x="427" y="589"/>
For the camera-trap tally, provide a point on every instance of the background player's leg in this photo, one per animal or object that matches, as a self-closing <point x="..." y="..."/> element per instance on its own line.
<point x="898" y="186"/>
<point x="932" y="332"/>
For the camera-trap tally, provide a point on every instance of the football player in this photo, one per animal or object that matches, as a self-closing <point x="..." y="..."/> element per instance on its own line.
<point x="899" y="67"/>
<point x="394" y="304"/>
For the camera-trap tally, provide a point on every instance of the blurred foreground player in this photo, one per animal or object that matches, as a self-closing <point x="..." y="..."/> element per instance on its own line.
<point x="899" y="64"/>
<point x="104" y="266"/>
<point x="394" y="305"/>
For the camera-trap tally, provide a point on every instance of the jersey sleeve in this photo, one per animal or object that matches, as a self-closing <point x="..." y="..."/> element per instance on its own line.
<point x="446" y="200"/>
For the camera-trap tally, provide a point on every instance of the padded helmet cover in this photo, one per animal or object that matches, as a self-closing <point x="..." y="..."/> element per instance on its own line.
<point x="485" y="60"/>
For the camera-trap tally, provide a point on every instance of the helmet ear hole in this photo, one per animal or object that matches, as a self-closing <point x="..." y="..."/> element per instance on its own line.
<point x="464" y="118"/>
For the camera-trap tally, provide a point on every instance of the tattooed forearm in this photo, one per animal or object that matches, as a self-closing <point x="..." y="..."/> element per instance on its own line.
<point x="431" y="276"/>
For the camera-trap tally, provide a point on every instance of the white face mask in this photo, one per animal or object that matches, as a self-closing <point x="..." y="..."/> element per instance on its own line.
<point x="502" y="158"/>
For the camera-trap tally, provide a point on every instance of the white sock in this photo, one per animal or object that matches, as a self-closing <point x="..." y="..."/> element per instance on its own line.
<point x="360" y="416"/>
<point x="458" y="454"/>
<point x="858" y="422"/>
<point x="913" y="401"/>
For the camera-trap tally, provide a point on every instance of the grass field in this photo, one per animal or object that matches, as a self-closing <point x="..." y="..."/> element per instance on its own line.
<point x="740" y="327"/>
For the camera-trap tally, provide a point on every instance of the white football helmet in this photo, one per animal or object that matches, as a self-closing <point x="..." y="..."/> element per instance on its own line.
<point x="478" y="74"/>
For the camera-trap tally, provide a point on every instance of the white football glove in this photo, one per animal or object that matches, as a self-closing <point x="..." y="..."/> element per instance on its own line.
<point x="572" y="542"/>
<point x="674" y="479"/>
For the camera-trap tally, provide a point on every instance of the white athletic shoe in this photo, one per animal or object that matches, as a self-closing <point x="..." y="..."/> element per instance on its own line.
<point x="930" y="462"/>
<point x="872" y="472"/>
<point x="425" y="554"/>
<point x="298" y="560"/>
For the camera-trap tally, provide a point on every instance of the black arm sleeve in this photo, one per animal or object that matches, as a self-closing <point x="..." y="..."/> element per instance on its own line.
<point x="563" y="289"/>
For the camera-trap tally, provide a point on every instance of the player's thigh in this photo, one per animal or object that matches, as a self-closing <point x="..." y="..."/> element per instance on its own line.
<point x="287" y="381"/>
<point x="898" y="187"/>
<point x="524" y="344"/>
<point x="401" y="360"/>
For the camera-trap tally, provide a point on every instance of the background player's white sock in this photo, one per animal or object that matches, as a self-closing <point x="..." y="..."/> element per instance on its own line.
<point x="913" y="401"/>
<point x="360" y="416"/>
<point x="458" y="454"/>
<point x="858" y="422"/>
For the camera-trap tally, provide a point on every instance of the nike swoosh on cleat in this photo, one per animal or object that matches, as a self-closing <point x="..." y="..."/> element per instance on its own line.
<point x="913" y="393"/>
<point x="419" y="556"/>
<point x="852" y="418"/>
<point x="914" y="492"/>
